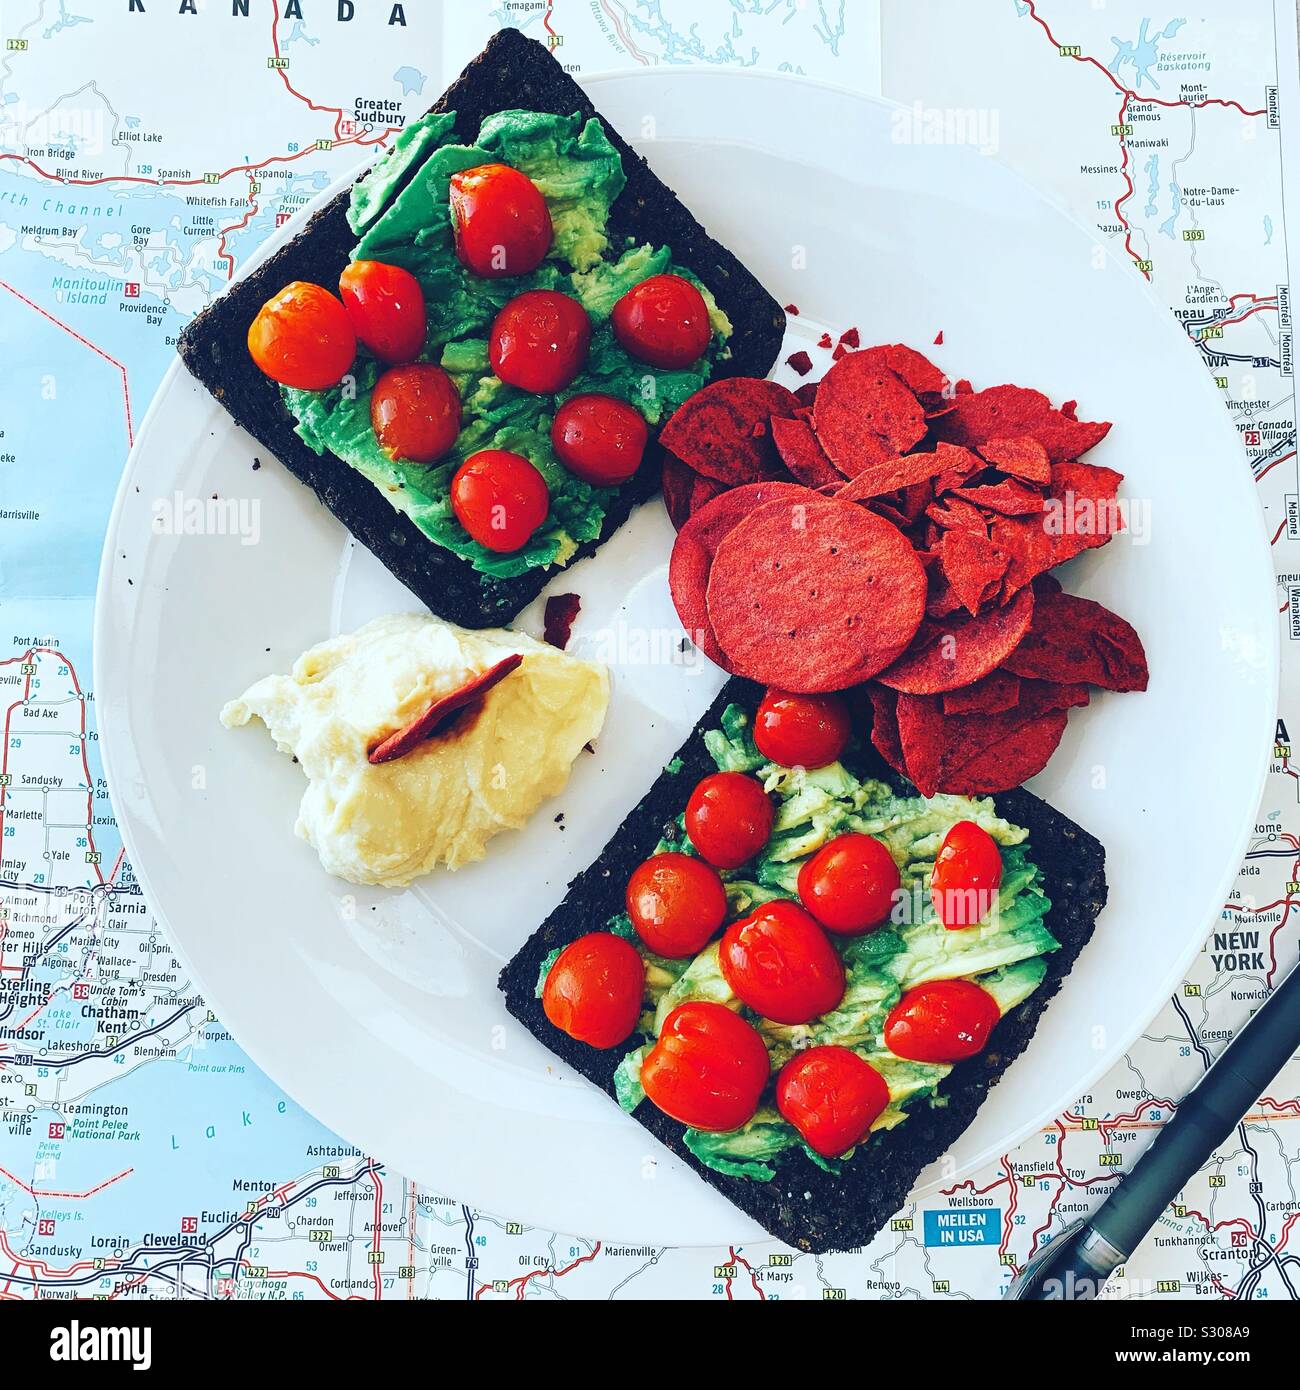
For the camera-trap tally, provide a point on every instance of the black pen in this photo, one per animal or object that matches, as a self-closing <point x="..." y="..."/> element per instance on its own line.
<point x="1077" y="1263"/>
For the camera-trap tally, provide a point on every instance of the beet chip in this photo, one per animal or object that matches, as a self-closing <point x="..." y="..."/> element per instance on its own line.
<point x="890" y="476"/>
<point x="865" y="415"/>
<point x="814" y="594"/>
<point x="948" y="655"/>
<point x="973" y="566"/>
<point x="1074" y="639"/>
<point x="1009" y="498"/>
<point x="561" y="613"/>
<point x="920" y="375"/>
<point x="802" y="454"/>
<point x="1005" y="412"/>
<point x="693" y="552"/>
<point x="807" y="393"/>
<point x="722" y="430"/>
<point x="992" y="694"/>
<point x="884" y="726"/>
<point x="978" y="754"/>
<point x="1081" y="512"/>
<point x="684" y="490"/>
<point x="955" y="467"/>
<point x="1023" y="458"/>
<point x="954" y="513"/>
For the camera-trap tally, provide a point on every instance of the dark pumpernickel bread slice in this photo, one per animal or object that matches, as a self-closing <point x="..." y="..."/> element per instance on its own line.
<point x="511" y="72"/>
<point x="804" y="1205"/>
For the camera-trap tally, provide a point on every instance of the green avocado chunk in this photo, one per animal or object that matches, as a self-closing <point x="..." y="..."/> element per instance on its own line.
<point x="1004" y="954"/>
<point x="401" y="213"/>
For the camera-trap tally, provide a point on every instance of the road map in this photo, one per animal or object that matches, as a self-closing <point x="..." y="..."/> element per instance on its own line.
<point x="147" y="147"/>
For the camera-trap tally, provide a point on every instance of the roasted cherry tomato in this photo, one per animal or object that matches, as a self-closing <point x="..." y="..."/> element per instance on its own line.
<point x="781" y="963"/>
<point x="416" y="412"/>
<point x="967" y="875"/>
<point x="386" y="306"/>
<point x="832" y="1097"/>
<point x="943" y="1021"/>
<point x="499" y="498"/>
<point x="664" y="321"/>
<point x="708" y="1068"/>
<point x="599" y="439"/>
<point x="801" y="730"/>
<point x="303" y="337"/>
<point x="593" y="990"/>
<point x="728" y="819"/>
<point x="849" y="884"/>
<point x="539" y="341"/>
<point x="501" y="221"/>
<point x="676" y="903"/>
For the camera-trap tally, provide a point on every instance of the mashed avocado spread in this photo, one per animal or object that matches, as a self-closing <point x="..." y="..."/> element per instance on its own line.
<point x="401" y="213"/>
<point x="1004" y="954"/>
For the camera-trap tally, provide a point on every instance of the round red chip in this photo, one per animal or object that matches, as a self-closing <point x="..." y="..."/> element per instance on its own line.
<point x="723" y="430"/>
<point x="693" y="551"/>
<point x="864" y="415"/>
<point x="812" y="594"/>
<point x="956" y="652"/>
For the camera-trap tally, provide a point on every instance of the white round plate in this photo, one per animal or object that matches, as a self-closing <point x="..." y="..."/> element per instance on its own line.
<point x="377" y="1010"/>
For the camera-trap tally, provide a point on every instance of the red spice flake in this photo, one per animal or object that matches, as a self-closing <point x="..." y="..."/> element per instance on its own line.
<point x="850" y="338"/>
<point x="792" y="309"/>
<point x="938" y="338"/>
<point x="824" y="341"/>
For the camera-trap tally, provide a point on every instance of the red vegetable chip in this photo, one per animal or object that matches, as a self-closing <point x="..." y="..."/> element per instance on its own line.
<point x="1081" y="513"/>
<point x="953" y="513"/>
<point x="884" y="726"/>
<point x="1023" y="458"/>
<point x="802" y="454"/>
<point x="684" y="490"/>
<point x="722" y="430"/>
<point x="1076" y="640"/>
<point x="814" y="594"/>
<point x="973" y="566"/>
<point x="948" y="655"/>
<point x="865" y="415"/>
<point x="693" y="551"/>
<point x="800" y="362"/>
<point x="561" y="613"/>
<point x="1008" y="498"/>
<point x="955" y="466"/>
<point x="807" y="394"/>
<point x="1004" y="412"/>
<point x="979" y="754"/>
<point x="891" y="476"/>
<point x="991" y="694"/>
<point x="916" y="371"/>
<point x="439" y="713"/>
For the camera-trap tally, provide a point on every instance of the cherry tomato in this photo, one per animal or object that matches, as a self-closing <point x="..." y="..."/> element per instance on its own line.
<point x="539" y="341"/>
<point x="801" y="730"/>
<point x="708" y="1068"/>
<point x="303" y="337"/>
<point x="501" y="221"/>
<point x="728" y="818"/>
<point x="664" y="321"/>
<point x="600" y="439"/>
<point x="415" y="411"/>
<point x="832" y="1097"/>
<point x="593" y="990"/>
<point x="781" y="963"/>
<point x="386" y="306"/>
<point x="676" y="903"/>
<point x="499" y="498"/>
<point x="849" y="884"/>
<point x="943" y="1021"/>
<point x="967" y="875"/>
